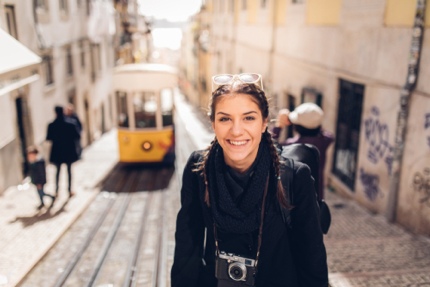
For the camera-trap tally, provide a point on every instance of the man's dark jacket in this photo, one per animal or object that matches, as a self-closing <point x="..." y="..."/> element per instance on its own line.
<point x="289" y="257"/>
<point x="63" y="135"/>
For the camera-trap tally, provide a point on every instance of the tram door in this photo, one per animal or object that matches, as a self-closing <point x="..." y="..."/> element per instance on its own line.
<point x="24" y="130"/>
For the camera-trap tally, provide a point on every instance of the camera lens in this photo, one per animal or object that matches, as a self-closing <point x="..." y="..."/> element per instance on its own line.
<point x="237" y="271"/>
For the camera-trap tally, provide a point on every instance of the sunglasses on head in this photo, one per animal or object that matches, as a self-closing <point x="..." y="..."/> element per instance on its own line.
<point x="227" y="79"/>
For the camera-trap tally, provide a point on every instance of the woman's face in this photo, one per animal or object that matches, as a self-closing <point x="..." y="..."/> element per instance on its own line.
<point x="238" y="127"/>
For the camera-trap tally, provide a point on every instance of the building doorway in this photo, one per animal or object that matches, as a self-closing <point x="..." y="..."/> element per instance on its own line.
<point x="348" y="131"/>
<point x="25" y="131"/>
<point x="87" y="121"/>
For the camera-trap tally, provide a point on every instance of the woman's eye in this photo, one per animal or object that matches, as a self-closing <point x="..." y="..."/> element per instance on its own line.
<point x="223" y="119"/>
<point x="249" y="118"/>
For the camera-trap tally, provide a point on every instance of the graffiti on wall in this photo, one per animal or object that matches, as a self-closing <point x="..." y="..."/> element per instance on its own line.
<point x="370" y="183"/>
<point x="377" y="135"/>
<point x="421" y="185"/>
<point x="427" y="126"/>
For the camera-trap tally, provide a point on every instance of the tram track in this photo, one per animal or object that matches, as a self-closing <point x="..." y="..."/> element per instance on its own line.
<point x="126" y="243"/>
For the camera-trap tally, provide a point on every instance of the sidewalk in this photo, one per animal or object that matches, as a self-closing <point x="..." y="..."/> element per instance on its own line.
<point x="26" y="233"/>
<point x="363" y="249"/>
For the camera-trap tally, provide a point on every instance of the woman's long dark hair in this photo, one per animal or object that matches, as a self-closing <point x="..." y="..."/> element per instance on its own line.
<point x="259" y="97"/>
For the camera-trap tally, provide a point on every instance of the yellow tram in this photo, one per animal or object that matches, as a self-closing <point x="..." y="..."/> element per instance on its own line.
<point x="144" y="111"/>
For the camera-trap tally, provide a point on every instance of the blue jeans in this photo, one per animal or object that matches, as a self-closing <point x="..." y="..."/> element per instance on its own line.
<point x="42" y="194"/>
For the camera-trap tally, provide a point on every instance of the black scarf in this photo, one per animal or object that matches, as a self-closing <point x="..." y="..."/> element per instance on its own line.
<point x="242" y="215"/>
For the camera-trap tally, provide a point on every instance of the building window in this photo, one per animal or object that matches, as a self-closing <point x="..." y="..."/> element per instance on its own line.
<point x="11" y="20"/>
<point x="41" y="5"/>
<point x="71" y="97"/>
<point x="312" y="95"/>
<point x="69" y="61"/>
<point x="47" y="69"/>
<point x="88" y="7"/>
<point x="95" y="61"/>
<point x="263" y="4"/>
<point x="64" y="8"/>
<point x="203" y="84"/>
<point x="348" y="132"/>
<point x="82" y="53"/>
<point x="231" y="5"/>
<point x="42" y="11"/>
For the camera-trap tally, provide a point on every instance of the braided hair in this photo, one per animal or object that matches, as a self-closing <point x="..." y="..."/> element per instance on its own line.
<point x="258" y="96"/>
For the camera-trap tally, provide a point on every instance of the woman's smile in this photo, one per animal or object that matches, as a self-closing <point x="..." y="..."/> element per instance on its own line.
<point x="238" y="127"/>
<point x="237" y="143"/>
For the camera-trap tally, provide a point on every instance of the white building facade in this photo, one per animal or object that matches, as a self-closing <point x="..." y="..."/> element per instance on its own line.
<point x="74" y="40"/>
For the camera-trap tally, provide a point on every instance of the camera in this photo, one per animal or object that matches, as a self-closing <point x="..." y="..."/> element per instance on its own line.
<point x="233" y="270"/>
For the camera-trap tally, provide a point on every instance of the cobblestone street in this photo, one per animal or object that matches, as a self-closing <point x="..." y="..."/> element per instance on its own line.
<point x="364" y="250"/>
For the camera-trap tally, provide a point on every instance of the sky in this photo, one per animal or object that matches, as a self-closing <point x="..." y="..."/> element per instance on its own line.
<point x="173" y="10"/>
<point x="167" y="38"/>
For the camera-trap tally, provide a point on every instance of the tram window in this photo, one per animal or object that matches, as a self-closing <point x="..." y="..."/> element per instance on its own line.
<point x="167" y="107"/>
<point x="121" y="99"/>
<point x="145" y="108"/>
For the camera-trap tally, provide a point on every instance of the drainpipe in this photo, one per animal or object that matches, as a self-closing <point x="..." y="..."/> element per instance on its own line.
<point x="272" y="56"/>
<point x="402" y="116"/>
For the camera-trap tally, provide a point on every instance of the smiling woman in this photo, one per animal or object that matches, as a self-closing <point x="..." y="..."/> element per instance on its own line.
<point x="229" y="230"/>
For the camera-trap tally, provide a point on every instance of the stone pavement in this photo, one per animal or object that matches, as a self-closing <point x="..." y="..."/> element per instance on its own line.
<point x="364" y="250"/>
<point x="27" y="233"/>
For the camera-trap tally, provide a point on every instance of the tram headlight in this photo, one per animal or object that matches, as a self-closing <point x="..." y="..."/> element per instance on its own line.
<point x="146" y="146"/>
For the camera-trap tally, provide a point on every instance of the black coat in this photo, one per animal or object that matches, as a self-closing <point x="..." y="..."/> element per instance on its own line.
<point x="64" y="136"/>
<point x="289" y="257"/>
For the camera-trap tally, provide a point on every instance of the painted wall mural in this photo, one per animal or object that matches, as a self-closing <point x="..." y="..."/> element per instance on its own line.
<point x="377" y="136"/>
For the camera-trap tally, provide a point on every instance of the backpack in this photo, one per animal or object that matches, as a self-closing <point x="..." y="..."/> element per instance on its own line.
<point x="309" y="155"/>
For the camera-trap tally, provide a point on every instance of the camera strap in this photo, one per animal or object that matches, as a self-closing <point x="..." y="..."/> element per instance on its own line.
<point x="260" y="231"/>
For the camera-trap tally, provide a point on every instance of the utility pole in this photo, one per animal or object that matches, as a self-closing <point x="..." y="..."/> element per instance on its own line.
<point x="402" y="116"/>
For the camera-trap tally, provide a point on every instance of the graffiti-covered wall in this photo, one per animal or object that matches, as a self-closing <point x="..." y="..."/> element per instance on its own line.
<point x="414" y="198"/>
<point x="376" y="146"/>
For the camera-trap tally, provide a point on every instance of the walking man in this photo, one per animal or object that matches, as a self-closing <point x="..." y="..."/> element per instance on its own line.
<point x="64" y="136"/>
